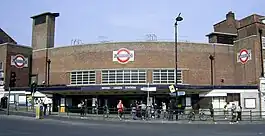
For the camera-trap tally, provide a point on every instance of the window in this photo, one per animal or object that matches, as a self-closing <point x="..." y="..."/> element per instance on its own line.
<point x="250" y="103"/>
<point x="83" y="77"/>
<point x="123" y="76"/>
<point x="166" y="76"/>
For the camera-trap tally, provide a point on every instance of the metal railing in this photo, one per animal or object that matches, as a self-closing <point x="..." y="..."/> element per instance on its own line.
<point x="148" y="114"/>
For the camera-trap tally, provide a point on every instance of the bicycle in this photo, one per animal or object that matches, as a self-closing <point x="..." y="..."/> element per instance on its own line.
<point x="203" y="116"/>
<point x="191" y="116"/>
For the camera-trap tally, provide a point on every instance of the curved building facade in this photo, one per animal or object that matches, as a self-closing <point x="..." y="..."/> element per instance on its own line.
<point x="124" y="68"/>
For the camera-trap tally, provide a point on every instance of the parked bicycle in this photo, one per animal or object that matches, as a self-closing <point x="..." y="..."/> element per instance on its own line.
<point x="202" y="116"/>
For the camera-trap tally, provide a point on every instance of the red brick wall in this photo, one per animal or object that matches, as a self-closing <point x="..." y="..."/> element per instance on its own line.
<point x="193" y="57"/>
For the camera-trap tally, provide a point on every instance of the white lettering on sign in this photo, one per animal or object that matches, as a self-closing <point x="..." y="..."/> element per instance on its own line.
<point x="130" y="87"/>
<point x="105" y="88"/>
<point x="117" y="87"/>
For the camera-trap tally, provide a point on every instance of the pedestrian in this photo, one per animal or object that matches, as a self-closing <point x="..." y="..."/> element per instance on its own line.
<point x="45" y="105"/>
<point x="239" y="113"/>
<point x="233" y="111"/>
<point x="81" y="106"/>
<point x="226" y="110"/>
<point x="133" y="106"/>
<point x="120" y="108"/>
<point x="106" y="110"/>
<point x="164" y="110"/>
<point x="211" y="109"/>
<point x="171" y="108"/>
<point x="143" y="110"/>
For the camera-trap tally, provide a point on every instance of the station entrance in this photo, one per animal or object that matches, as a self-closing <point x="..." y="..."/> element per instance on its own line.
<point x="111" y="98"/>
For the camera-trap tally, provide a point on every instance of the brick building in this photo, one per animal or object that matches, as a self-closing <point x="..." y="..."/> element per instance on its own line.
<point x="87" y="68"/>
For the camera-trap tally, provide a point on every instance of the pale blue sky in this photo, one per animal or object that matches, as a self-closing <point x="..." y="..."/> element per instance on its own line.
<point x="122" y="20"/>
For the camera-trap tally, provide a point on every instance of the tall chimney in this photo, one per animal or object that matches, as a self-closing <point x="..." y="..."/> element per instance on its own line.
<point x="230" y="16"/>
<point x="43" y="28"/>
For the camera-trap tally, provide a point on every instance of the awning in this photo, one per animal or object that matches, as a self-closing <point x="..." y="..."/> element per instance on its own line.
<point x="212" y="94"/>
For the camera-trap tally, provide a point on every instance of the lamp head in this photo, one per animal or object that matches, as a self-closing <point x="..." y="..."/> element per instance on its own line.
<point x="262" y="20"/>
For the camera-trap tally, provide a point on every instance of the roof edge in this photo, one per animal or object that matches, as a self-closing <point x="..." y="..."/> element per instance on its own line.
<point x="45" y="14"/>
<point x="221" y="33"/>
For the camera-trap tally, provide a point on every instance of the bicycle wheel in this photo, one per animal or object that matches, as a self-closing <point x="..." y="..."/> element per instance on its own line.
<point x="191" y="116"/>
<point x="202" y="117"/>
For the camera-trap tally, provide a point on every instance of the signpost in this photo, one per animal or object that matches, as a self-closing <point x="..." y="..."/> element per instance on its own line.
<point x="148" y="89"/>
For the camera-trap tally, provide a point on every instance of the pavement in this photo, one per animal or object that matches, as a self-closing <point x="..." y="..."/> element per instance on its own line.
<point x="14" y="125"/>
<point x="114" y="118"/>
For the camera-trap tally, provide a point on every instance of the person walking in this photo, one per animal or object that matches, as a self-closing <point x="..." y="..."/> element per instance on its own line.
<point x="106" y="110"/>
<point x="133" y="112"/>
<point x="239" y="113"/>
<point x="120" y="108"/>
<point x="81" y="106"/>
<point x="164" y="110"/>
<point x="143" y="111"/>
<point x="233" y="111"/>
<point x="226" y="110"/>
<point x="211" y="111"/>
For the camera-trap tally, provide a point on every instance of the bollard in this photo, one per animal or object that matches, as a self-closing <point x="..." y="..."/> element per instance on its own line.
<point x="39" y="111"/>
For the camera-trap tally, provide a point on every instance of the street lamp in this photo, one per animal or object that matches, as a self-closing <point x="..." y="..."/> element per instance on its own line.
<point x="178" y="19"/>
<point x="211" y="57"/>
<point x="49" y="67"/>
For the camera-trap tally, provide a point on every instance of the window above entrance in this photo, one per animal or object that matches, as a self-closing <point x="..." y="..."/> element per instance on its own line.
<point x="83" y="77"/>
<point x="166" y="76"/>
<point x="123" y="76"/>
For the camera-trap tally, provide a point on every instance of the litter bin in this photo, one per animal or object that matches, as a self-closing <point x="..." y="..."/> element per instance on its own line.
<point x="4" y="102"/>
<point x="39" y="111"/>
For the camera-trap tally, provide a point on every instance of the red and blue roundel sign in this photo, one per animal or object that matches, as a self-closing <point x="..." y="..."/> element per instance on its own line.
<point x="244" y="56"/>
<point x="19" y="61"/>
<point x="123" y="55"/>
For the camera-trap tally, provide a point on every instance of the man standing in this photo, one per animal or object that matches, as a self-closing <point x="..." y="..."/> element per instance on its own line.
<point x="45" y="104"/>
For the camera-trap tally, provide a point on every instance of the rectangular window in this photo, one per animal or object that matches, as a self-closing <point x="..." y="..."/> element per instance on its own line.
<point x="83" y="77"/>
<point x="166" y="76"/>
<point x="123" y="76"/>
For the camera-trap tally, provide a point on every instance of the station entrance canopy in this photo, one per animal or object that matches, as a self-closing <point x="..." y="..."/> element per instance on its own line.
<point x="127" y="89"/>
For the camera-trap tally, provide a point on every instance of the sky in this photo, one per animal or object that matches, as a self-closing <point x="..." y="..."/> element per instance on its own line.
<point x="92" y="21"/>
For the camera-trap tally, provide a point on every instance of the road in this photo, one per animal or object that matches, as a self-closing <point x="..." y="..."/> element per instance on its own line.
<point x="27" y="126"/>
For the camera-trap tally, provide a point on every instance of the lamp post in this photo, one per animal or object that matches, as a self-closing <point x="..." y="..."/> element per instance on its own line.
<point x="178" y="19"/>
<point x="211" y="57"/>
<point x="48" y="75"/>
